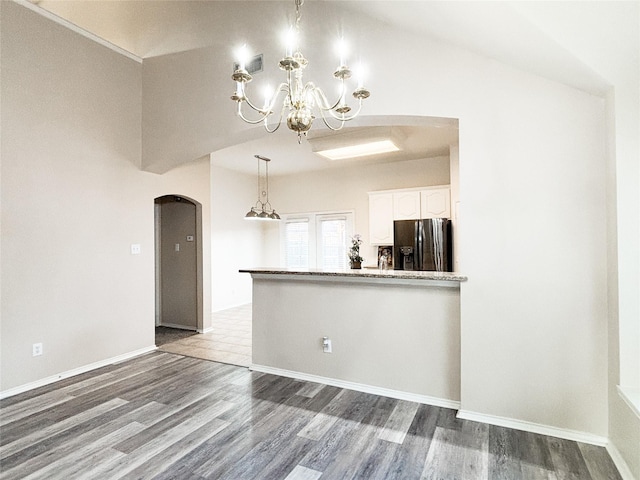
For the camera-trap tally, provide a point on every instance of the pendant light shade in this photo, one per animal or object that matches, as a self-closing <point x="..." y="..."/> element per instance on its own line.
<point x="251" y="214"/>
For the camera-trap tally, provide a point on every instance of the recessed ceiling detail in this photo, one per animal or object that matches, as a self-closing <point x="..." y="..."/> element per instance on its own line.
<point x="419" y="138"/>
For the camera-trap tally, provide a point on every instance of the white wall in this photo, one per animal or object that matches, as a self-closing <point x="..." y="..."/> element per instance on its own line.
<point x="532" y="169"/>
<point x="614" y="53"/>
<point x="236" y="243"/>
<point x="534" y="240"/>
<point x="624" y="253"/>
<point x="74" y="200"/>
<point x="341" y="189"/>
<point x="625" y="312"/>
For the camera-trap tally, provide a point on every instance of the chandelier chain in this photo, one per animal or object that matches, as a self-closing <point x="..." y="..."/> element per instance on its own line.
<point x="298" y="15"/>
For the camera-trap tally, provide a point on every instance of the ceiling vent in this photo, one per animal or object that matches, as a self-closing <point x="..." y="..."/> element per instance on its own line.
<point x="252" y="66"/>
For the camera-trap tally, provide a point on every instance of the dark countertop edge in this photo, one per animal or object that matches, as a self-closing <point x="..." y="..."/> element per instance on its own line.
<point x="372" y="273"/>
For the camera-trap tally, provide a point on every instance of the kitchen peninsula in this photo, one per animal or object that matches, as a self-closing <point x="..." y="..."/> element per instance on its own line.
<point x="391" y="332"/>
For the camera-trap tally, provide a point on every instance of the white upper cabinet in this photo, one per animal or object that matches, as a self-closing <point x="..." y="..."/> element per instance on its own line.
<point x="406" y="205"/>
<point x="381" y="219"/>
<point x="435" y="203"/>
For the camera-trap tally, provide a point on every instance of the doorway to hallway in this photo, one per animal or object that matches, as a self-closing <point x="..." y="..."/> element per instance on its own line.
<point x="178" y="248"/>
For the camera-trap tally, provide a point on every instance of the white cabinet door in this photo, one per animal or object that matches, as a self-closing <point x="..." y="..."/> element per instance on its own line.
<point x="381" y="218"/>
<point x="435" y="203"/>
<point x="406" y="205"/>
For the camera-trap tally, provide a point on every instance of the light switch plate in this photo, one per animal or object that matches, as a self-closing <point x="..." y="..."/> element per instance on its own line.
<point x="135" y="249"/>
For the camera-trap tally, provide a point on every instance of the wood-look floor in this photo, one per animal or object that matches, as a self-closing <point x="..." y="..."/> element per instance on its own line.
<point x="166" y="416"/>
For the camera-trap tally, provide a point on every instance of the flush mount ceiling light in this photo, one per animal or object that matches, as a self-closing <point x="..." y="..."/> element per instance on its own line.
<point x="262" y="209"/>
<point x="358" y="142"/>
<point x="361" y="150"/>
<point x="299" y="99"/>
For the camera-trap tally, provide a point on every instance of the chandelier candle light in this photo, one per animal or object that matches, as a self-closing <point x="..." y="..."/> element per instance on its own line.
<point x="300" y="99"/>
<point x="262" y="209"/>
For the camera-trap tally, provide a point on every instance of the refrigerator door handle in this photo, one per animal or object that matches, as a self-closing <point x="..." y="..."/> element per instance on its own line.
<point x="418" y="259"/>
<point x="438" y="244"/>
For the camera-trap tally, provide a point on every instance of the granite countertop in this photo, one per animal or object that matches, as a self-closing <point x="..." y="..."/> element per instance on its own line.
<point x="363" y="273"/>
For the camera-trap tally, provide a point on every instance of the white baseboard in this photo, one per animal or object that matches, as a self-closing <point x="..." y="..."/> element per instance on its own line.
<point x="183" y="327"/>
<point x="534" y="428"/>
<point x="175" y="325"/>
<point x="76" y="371"/>
<point x="621" y="465"/>
<point x="359" y="387"/>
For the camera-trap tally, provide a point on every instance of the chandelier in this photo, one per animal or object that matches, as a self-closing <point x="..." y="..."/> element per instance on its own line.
<point x="262" y="209"/>
<point x="300" y="99"/>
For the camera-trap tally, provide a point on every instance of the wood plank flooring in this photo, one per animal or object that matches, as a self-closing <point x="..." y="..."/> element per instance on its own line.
<point x="167" y="416"/>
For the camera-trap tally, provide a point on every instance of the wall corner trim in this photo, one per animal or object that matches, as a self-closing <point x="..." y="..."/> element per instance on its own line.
<point x="71" y="26"/>
<point x="631" y="397"/>
<point x="621" y="465"/>
<point x="76" y="371"/>
<point x="535" y="428"/>
<point x="358" y="387"/>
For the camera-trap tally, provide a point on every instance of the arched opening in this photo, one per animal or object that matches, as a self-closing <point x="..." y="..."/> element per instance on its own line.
<point x="178" y="254"/>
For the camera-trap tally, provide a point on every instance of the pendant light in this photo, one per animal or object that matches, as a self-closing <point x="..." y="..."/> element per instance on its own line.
<point x="262" y="209"/>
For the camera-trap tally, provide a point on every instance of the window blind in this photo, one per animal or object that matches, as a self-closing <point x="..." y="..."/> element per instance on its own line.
<point x="297" y="243"/>
<point x="333" y="243"/>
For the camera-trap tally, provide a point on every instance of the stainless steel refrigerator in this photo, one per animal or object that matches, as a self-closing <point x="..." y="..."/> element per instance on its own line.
<point x="423" y="245"/>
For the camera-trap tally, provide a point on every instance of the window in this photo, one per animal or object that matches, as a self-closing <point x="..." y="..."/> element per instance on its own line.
<point x="332" y="241"/>
<point x="297" y="243"/>
<point x="316" y="240"/>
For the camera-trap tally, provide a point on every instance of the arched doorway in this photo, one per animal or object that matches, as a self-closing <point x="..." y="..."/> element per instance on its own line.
<point x="178" y="247"/>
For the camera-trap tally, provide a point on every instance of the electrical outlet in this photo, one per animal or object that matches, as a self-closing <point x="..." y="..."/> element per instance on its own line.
<point x="326" y="345"/>
<point x="37" y="349"/>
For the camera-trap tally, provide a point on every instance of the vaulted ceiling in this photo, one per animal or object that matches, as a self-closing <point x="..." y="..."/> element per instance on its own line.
<point x="535" y="36"/>
<point x="568" y="42"/>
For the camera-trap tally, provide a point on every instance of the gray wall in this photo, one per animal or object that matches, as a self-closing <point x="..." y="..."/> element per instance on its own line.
<point x="73" y="202"/>
<point x="390" y="335"/>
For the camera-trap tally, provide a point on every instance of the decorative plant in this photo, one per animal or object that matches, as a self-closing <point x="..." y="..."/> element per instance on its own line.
<point x="354" y="251"/>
